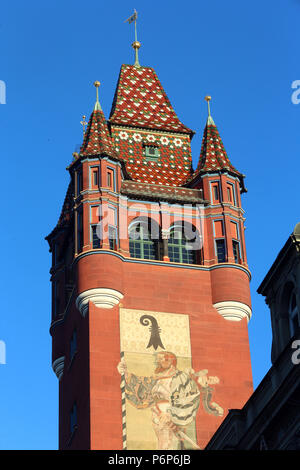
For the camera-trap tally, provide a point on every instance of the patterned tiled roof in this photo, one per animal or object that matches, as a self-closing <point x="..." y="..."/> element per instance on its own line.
<point x="141" y="101"/>
<point x="97" y="139"/>
<point x="213" y="156"/>
<point x="173" y="165"/>
<point x="154" y="191"/>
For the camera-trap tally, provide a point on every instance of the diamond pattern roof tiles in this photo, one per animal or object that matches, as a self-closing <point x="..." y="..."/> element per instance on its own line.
<point x="213" y="156"/>
<point x="172" y="167"/>
<point x="141" y="101"/>
<point x="97" y="139"/>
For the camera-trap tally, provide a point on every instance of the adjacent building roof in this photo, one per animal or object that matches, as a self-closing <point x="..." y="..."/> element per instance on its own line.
<point x="140" y="101"/>
<point x="290" y="247"/>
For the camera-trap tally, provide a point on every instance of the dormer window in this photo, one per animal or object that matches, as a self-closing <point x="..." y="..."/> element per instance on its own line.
<point x="151" y="152"/>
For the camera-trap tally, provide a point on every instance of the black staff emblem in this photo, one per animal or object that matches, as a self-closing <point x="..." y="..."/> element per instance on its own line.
<point x="155" y="339"/>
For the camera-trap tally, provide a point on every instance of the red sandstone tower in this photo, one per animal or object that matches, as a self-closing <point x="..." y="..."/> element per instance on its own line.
<point x="150" y="282"/>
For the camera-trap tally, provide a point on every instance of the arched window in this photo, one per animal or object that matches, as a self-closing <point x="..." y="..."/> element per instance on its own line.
<point x="180" y="248"/>
<point x="293" y="314"/>
<point x="143" y="239"/>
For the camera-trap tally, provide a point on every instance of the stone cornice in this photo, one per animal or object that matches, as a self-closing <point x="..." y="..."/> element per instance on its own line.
<point x="163" y="263"/>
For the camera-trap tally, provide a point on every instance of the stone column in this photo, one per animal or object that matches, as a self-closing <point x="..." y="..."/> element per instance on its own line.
<point x="165" y="237"/>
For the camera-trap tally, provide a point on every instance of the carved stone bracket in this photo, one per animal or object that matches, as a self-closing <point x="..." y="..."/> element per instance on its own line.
<point x="233" y="311"/>
<point x="101" y="298"/>
<point x="58" y="366"/>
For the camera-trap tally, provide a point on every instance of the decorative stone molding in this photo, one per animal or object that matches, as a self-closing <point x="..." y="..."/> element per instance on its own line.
<point x="165" y="234"/>
<point x="233" y="311"/>
<point x="101" y="298"/>
<point x="58" y="367"/>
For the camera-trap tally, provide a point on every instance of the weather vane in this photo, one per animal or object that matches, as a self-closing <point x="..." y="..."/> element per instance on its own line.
<point x="136" y="44"/>
<point x="83" y="123"/>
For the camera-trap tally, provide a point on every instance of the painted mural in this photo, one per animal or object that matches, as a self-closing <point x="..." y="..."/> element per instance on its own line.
<point x="161" y="393"/>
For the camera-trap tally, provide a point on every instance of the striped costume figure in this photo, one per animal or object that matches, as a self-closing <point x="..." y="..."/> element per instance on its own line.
<point x="174" y="398"/>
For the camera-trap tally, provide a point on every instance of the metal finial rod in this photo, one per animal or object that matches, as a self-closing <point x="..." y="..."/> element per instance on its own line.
<point x="97" y="105"/>
<point x="208" y="98"/>
<point x="135" y="28"/>
<point x="136" y="44"/>
<point x="97" y="84"/>
<point x="210" y="121"/>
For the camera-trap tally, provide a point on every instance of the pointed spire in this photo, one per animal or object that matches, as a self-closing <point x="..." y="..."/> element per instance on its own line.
<point x="213" y="156"/>
<point x="97" y="139"/>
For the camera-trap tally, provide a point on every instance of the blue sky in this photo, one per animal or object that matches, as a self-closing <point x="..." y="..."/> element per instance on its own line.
<point x="244" y="54"/>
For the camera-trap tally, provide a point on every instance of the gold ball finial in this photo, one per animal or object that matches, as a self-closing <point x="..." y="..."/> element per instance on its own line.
<point x="136" y="45"/>
<point x="207" y="98"/>
<point x="96" y="84"/>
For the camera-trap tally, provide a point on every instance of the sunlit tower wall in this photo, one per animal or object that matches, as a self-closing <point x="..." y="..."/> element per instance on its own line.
<point x="150" y="282"/>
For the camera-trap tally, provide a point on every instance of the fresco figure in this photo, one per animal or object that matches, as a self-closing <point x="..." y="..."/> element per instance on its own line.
<point x="173" y="396"/>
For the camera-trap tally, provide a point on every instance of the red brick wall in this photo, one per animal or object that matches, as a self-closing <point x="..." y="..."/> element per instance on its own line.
<point x="105" y="392"/>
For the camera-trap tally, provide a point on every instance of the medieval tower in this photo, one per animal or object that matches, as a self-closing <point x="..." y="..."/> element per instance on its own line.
<point x="150" y="283"/>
